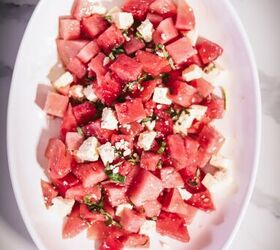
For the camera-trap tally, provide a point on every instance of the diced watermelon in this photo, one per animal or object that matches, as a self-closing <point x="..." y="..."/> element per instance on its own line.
<point x="130" y="111"/>
<point x="151" y="208"/>
<point x="83" y="8"/>
<point x="216" y="107"/>
<point x="202" y="201"/>
<point x="191" y="146"/>
<point x="49" y="192"/>
<point x="125" y="168"/>
<point x="94" y="129"/>
<point x="138" y="8"/>
<point x="127" y="138"/>
<point x="153" y="64"/>
<point x="74" y="224"/>
<point x="133" y="129"/>
<point x="172" y="225"/>
<point x="210" y="139"/>
<point x="185" y="16"/>
<point x="182" y="93"/>
<point x="116" y="194"/>
<point x="84" y="112"/>
<point x="111" y="243"/>
<point x="203" y="87"/>
<point x="163" y="7"/>
<point x="149" y="160"/>
<point x="69" y="123"/>
<point x="133" y="45"/>
<point x="202" y="158"/>
<point x="181" y="50"/>
<point x="78" y="193"/>
<point x="73" y="140"/>
<point x="144" y="187"/>
<point x="109" y="88"/>
<point x="136" y="240"/>
<point x="127" y="68"/>
<point x="88" y="52"/>
<point x="131" y="220"/>
<point x="131" y="175"/>
<point x="207" y="50"/>
<point x="195" y="59"/>
<point x="94" y="25"/>
<point x="154" y="19"/>
<point x="56" y="104"/>
<point x="90" y="216"/>
<point x="76" y="67"/>
<point x="177" y="150"/>
<point x="63" y="184"/>
<point x="148" y="89"/>
<point x="67" y="50"/>
<point x="165" y="32"/>
<point x="98" y="67"/>
<point x="171" y="178"/>
<point x="164" y="123"/>
<point x="111" y="38"/>
<point x="69" y="29"/>
<point x="90" y="173"/>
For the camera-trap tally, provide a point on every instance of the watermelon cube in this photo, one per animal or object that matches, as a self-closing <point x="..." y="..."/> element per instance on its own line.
<point x="69" y="29"/>
<point x="115" y="193"/>
<point x="177" y="150"/>
<point x="76" y="67"/>
<point x="63" y="184"/>
<point x="90" y="216"/>
<point x="69" y="123"/>
<point x="185" y="16"/>
<point x="110" y="38"/>
<point x="133" y="45"/>
<point x="126" y="68"/>
<point x="56" y="105"/>
<point x="203" y="87"/>
<point x="49" y="192"/>
<point x="148" y="89"/>
<point x="130" y="111"/>
<point x="94" y="25"/>
<point x="85" y="8"/>
<point x="144" y="187"/>
<point x="163" y="7"/>
<point x="136" y="240"/>
<point x="149" y="160"/>
<point x="138" y="8"/>
<point x="216" y="107"/>
<point x="181" y="50"/>
<point x="165" y="32"/>
<point x="84" y="112"/>
<point x="98" y="67"/>
<point x="78" y="193"/>
<point x="154" y="19"/>
<point x="131" y="220"/>
<point x="152" y="208"/>
<point x="171" y="178"/>
<point x="88" y="52"/>
<point x="90" y="173"/>
<point x="133" y="129"/>
<point x="73" y="140"/>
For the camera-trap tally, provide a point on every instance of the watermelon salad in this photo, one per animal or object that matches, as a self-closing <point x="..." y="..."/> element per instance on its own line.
<point x="138" y="151"/>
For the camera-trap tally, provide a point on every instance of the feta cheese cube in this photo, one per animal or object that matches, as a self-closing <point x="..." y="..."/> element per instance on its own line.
<point x="121" y="207"/>
<point x="89" y="93"/>
<point x="184" y="122"/>
<point x="184" y="193"/>
<point x="123" y="20"/>
<point x="61" y="207"/>
<point x="76" y="92"/>
<point x="146" y="30"/>
<point x="64" y="80"/>
<point x="88" y="150"/>
<point x="114" y="10"/>
<point x="109" y="119"/>
<point x="148" y="227"/>
<point x="191" y="73"/>
<point x="161" y="96"/>
<point x="221" y="162"/>
<point x="197" y="111"/>
<point x="150" y="125"/>
<point x="192" y="35"/>
<point x="107" y="153"/>
<point x="146" y="140"/>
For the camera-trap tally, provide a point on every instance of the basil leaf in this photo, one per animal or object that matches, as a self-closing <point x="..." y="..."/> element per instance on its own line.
<point x="80" y="131"/>
<point x="109" y="19"/>
<point x="162" y="148"/>
<point x="115" y="176"/>
<point x="165" y="77"/>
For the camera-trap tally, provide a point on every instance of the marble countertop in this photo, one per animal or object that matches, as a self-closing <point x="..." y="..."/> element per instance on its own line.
<point x="261" y="225"/>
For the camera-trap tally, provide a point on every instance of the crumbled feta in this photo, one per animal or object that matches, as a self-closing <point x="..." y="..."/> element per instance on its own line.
<point x="89" y="93"/>
<point x="183" y="123"/>
<point x="161" y="96"/>
<point x="148" y="227"/>
<point x="184" y="193"/>
<point x="106" y="60"/>
<point x="61" y="207"/>
<point x="221" y="162"/>
<point x="123" y="20"/>
<point x="146" y="30"/>
<point x="124" y="146"/>
<point x="197" y="111"/>
<point x="97" y="8"/>
<point x="192" y="72"/>
<point x="88" y="150"/>
<point x="64" y="80"/>
<point x="192" y="35"/>
<point x="121" y="207"/>
<point x="146" y="140"/>
<point x="116" y="170"/>
<point x="150" y="125"/>
<point x="107" y="153"/>
<point x="109" y="119"/>
<point x="163" y="37"/>
<point x="77" y="92"/>
<point x="114" y="10"/>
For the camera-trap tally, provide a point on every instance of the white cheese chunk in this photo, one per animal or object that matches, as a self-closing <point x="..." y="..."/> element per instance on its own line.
<point x="161" y="96"/>
<point x="146" y="30"/>
<point x="64" y="80"/>
<point x="221" y="162"/>
<point x="61" y="207"/>
<point x="148" y="227"/>
<point x="146" y="140"/>
<point x="150" y="125"/>
<point x="184" y="122"/>
<point x="88" y="150"/>
<point x="197" y="111"/>
<point x="107" y="153"/>
<point x="97" y="8"/>
<point x="214" y="73"/>
<point x="109" y="119"/>
<point x="76" y="92"/>
<point x="192" y="35"/>
<point x="191" y="73"/>
<point x="123" y="20"/>
<point x="121" y="207"/>
<point x="89" y="93"/>
<point x="184" y="193"/>
<point x="114" y="10"/>
<point x="123" y="146"/>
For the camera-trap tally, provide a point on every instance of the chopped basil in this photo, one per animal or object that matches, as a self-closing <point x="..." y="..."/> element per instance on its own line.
<point x="134" y="159"/>
<point x="99" y="109"/>
<point x="139" y="35"/>
<point x="195" y="181"/>
<point x="109" y="19"/>
<point x="225" y="97"/>
<point x="159" y="164"/>
<point x="148" y="119"/>
<point x="165" y="77"/>
<point x="162" y="147"/>
<point x="160" y="50"/>
<point x="80" y="131"/>
<point x="129" y="86"/>
<point x="115" y="52"/>
<point x="115" y="176"/>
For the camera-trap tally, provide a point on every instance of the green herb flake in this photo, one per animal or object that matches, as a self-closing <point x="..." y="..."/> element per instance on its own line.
<point x="165" y="77"/>
<point x="134" y="159"/>
<point x="210" y="67"/>
<point x="159" y="165"/>
<point x="109" y="19"/>
<point x="115" y="176"/>
<point x="80" y="131"/>
<point x="139" y="35"/>
<point x="162" y="147"/>
<point x="195" y="181"/>
<point x="148" y="119"/>
<point x="224" y="97"/>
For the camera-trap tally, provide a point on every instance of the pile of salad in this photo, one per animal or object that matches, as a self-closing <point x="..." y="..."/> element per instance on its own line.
<point x="138" y="151"/>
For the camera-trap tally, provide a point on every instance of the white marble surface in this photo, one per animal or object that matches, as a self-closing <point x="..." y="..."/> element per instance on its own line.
<point x="261" y="225"/>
